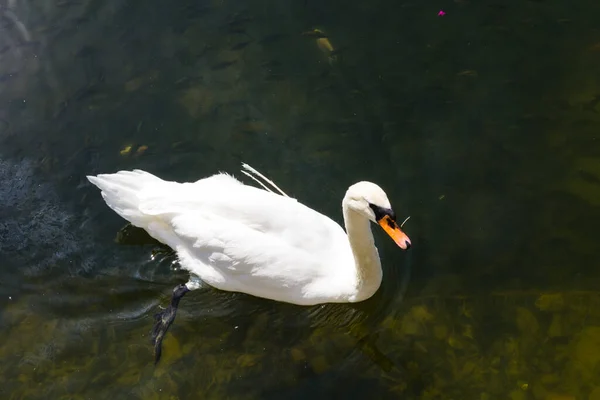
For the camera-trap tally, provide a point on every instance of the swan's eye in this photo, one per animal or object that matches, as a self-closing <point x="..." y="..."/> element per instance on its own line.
<point x="381" y="212"/>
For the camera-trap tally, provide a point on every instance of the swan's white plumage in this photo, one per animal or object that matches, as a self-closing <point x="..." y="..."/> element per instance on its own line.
<point x="240" y="238"/>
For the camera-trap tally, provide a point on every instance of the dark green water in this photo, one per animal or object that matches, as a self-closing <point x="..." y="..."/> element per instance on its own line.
<point x="483" y="125"/>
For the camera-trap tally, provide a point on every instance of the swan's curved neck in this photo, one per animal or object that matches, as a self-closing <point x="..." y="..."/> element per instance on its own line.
<point x="366" y="257"/>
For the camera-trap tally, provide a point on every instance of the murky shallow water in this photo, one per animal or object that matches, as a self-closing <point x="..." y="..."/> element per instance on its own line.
<point x="481" y="125"/>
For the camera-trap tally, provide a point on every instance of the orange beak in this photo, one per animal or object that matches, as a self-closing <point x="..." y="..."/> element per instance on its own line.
<point x="391" y="228"/>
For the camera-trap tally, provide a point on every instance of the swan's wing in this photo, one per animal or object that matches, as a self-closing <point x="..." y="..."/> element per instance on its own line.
<point x="230" y="255"/>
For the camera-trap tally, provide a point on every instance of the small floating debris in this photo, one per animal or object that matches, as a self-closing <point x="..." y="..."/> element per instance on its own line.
<point x="126" y="150"/>
<point x="6" y="77"/>
<point x="141" y="150"/>
<point x="323" y="43"/>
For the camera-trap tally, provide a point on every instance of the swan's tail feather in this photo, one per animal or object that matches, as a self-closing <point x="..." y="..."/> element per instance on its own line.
<point x="255" y="175"/>
<point x="124" y="192"/>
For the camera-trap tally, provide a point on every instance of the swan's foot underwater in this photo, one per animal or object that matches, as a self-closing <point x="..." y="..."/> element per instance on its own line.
<point x="164" y="319"/>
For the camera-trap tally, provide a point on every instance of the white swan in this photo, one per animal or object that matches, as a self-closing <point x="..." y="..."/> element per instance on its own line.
<point x="244" y="239"/>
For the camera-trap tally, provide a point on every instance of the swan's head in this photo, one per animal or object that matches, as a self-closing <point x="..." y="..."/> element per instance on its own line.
<point x="369" y="200"/>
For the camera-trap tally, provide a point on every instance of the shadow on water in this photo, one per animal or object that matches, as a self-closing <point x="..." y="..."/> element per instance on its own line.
<point x="481" y="125"/>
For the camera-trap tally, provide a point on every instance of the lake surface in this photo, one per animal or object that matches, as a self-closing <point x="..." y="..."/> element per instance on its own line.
<point x="482" y="125"/>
